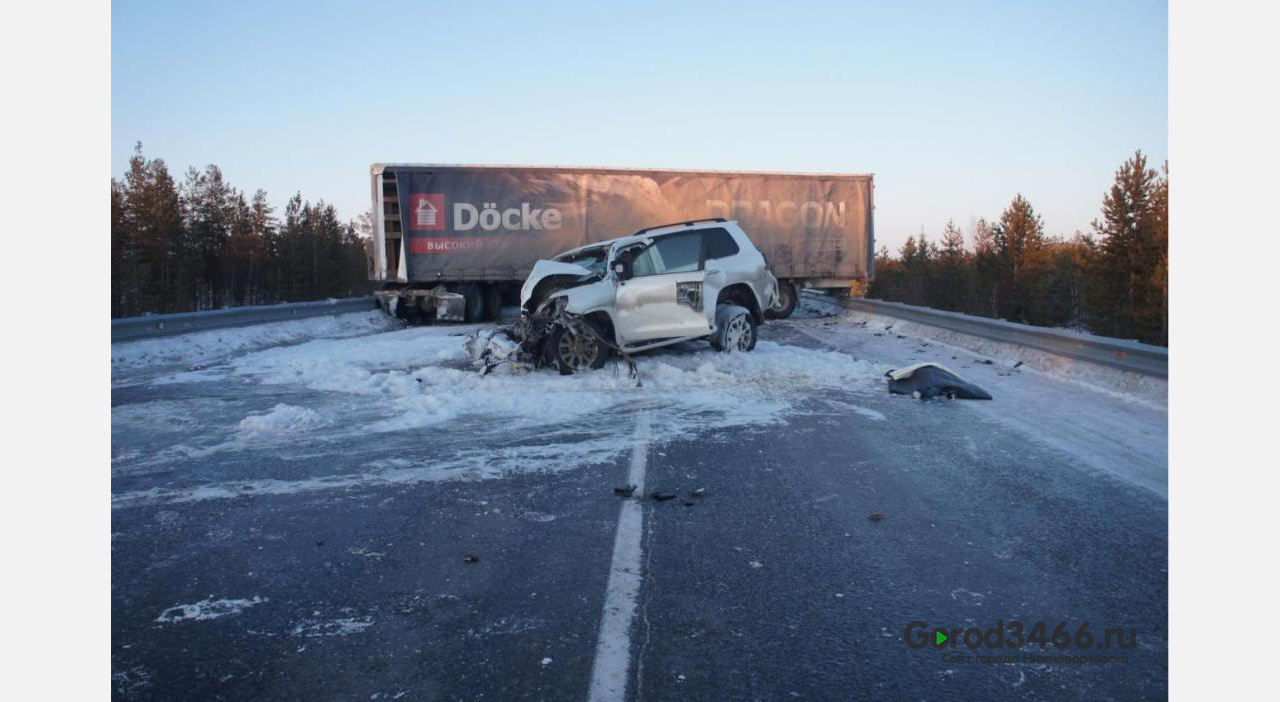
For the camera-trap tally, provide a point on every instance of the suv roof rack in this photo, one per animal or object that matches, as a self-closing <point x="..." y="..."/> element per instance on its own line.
<point x="688" y="223"/>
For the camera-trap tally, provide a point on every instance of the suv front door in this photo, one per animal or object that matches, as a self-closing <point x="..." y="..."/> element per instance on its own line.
<point x="663" y="297"/>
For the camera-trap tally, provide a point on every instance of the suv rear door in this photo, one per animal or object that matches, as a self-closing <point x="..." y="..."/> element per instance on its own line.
<point x="663" y="297"/>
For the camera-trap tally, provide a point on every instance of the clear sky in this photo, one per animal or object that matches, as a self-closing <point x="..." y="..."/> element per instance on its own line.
<point x="955" y="106"/>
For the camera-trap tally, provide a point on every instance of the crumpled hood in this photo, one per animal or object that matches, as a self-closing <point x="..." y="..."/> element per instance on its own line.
<point x="545" y="268"/>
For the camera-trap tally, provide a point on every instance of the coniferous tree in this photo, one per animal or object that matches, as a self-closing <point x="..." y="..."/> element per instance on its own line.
<point x="206" y="245"/>
<point x="953" y="269"/>
<point x="1020" y="237"/>
<point x="988" y="270"/>
<point x="1128" y="288"/>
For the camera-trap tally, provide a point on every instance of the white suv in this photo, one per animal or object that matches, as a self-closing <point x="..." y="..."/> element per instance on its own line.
<point x="693" y="280"/>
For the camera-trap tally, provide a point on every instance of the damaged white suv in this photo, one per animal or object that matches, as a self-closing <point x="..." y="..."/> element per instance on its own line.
<point x="692" y="280"/>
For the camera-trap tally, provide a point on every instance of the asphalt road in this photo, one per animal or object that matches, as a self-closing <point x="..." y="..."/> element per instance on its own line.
<point x="775" y="584"/>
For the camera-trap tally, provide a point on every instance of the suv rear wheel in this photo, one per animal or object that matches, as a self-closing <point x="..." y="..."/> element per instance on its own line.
<point x="570" y="351"/>
<point x="735" y="329"/>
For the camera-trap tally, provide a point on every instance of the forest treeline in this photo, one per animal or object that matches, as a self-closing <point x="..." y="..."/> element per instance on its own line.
<point x="1113" y="281"/>
<point x="203" y="244"/>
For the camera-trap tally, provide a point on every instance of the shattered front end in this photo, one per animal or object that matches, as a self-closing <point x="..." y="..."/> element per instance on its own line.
<point x="519" y="345"/>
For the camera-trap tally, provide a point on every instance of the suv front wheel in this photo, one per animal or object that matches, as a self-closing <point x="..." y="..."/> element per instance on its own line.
<point x="735" y="329"/>
<point x="570" y="351"/>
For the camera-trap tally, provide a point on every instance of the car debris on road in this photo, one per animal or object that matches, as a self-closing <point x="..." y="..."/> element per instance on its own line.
<point x="927" y="380"/>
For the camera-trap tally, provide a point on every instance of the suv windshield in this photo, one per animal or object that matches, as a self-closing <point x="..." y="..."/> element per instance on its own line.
<point x="591" y="259"/>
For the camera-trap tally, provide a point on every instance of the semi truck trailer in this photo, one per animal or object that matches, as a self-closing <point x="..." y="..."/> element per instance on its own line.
<point x="455" y="242"/>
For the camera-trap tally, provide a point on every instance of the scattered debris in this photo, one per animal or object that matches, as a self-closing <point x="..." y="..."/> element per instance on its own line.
<point x="926" y="380"/>
<point x="756" y="564"/>
<point x="546" y="661"/>
<point x="1018" y="364"/>
<point x="983" y="361"/>
<point x="661" y="495"/>
<point x="470" y="558"/>
<point x="875" y="516"/>
<point x="625" y="491"/>
<point x="689" y="503"/>
<point x="319" y="542"/>
<point x="698" y="493"/>
<point x="494" y="347"/>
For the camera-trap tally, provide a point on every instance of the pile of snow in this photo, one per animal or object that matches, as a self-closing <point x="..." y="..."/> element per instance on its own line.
<point x="338" y="627"/>
<point x="208" y="608"/>
<point x="494" y="425"/>
<point x="423" y="377"/>
<point x="202" y="348"/>
<point x="282" y="419"/>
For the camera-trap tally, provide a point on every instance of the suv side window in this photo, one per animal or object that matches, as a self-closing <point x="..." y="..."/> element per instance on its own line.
<point x="720" y="243"/>
<point x="678" y="253"/>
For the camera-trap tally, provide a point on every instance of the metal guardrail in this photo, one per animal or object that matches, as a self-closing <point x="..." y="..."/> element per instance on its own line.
<point x="157" y="325"/>
<point x="1116" y="353"/>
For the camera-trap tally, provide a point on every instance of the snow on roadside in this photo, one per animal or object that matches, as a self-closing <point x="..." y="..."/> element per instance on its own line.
<point x="202" y="348"/>
<point x="1109" y="420"/>
<point x="1125" y="385"/>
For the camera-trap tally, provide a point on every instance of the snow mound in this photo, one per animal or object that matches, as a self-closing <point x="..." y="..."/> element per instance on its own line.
<point x="205" y="609"/>
<point x="495" y="425"/>
<point x="425" y="379"/>
<point x="281" y="419"/>
<point x="201" y="348"/>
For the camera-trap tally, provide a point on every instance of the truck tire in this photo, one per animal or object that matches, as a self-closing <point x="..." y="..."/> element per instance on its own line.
<point x="492" y="302"/>
<point x="570" y="352"/>
<point x="735" y="329"/>
<point x="473" y="303"/>
<point x="787" y="297"/>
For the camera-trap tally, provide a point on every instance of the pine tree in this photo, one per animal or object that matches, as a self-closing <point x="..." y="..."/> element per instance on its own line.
<point x="149" y="240"/>
<point x="1128" y="287"/>
<point x="952" y="269"/>
<point x="988" y="270"/>
<point x="1019" y="238"/>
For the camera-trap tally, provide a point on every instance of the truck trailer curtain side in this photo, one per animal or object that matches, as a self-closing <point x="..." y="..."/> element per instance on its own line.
<point x="491" y="223"/>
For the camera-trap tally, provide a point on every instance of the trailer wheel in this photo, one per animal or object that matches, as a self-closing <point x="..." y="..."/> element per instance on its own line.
<point x="473" y="303"/>
<point x="787" y="301"/>
<point x="492" y="301"/>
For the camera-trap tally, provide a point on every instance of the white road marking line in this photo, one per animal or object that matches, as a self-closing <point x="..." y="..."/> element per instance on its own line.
<point x="613" y="648"/>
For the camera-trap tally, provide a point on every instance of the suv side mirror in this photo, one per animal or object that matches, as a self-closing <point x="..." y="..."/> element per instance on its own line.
<point x="622" y="268"/>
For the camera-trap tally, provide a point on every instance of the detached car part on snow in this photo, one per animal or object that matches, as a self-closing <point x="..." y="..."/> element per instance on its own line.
<point x="927" y="380"/>
<point x="661" y="286"/>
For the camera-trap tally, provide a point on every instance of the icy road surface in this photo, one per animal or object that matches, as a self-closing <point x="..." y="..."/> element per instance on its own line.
<point x="292" y="504"/>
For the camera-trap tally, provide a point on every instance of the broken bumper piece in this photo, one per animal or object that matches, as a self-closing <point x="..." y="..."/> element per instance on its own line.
<point x="926" y="380"/>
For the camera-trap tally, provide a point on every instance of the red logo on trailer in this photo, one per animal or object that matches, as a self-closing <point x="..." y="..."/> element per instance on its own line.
<point x="426" y="212"/>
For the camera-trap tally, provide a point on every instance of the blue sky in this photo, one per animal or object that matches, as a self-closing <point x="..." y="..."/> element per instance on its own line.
<point x="954" y="106"/>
